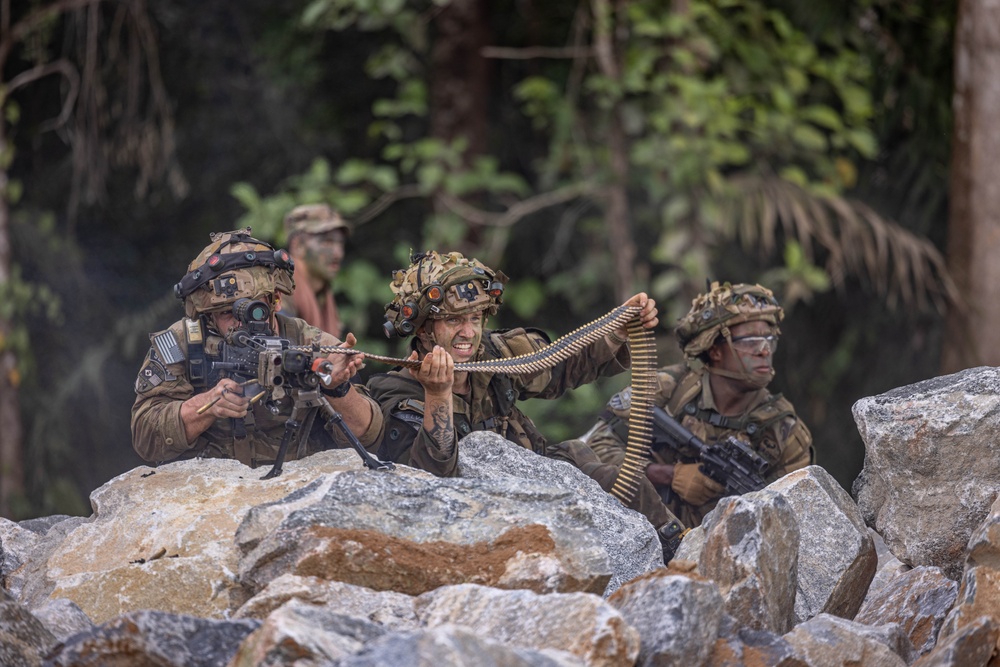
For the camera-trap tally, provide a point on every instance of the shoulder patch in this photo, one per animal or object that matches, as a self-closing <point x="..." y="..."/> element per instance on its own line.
<point x="622" y="400"/>
<point x="165" y="344"/>
<point x="151" y="375"/>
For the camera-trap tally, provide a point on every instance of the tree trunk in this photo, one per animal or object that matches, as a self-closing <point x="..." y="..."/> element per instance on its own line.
<point x="11" y="461"/>
<point x="974" y="218"/>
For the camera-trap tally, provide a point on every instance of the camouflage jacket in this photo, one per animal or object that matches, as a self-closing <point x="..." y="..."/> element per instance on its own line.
<point x="163" y="385"/>
<point x="769" y="425"/>
<point x="491" y="404"/>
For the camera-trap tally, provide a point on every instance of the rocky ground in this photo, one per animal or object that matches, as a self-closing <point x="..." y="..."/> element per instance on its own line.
<point x="524" y="561"/>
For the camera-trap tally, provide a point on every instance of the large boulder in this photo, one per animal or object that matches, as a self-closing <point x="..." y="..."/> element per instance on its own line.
<point x="932" y="465"/>
<point x="837" y="557"/>
<point x="413" y="534"/>
<point x="580" y="623"/>
<point x="628" y="538"/>
<point x="751" y="552"/>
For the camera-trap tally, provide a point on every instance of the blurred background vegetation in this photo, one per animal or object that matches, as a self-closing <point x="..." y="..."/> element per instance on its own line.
<point x="590" y="150"/>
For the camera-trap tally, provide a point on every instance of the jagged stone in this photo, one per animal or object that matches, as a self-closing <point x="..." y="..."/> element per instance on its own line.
<point x="918" y="600"/>
<point x="692" y="545"/>
<point x="25" y="548"/>
<point x="743" y="647"/>
<point x="580" y="623"/>
<point x="453" y="646"/>
<point x="63" y="618"/>
<point x="931" y="456"/>
<point x="889" y="567"/>
<point x="162" y="538"/>
<point x="24" y="640"/>
<point x="751" y="553"/>
<point x="414" y="534"/>
<point x="388" y="608"/>
<point x="979" y="593"/>
<point x="837" y="557"/>
<point x="830" y="641"/>
<point x="677" y="617"/>
<point x="628" y="538"/>
<point x="972" y="645"/>
<point x="154" y="638"/>
<point x="303" y="634"/>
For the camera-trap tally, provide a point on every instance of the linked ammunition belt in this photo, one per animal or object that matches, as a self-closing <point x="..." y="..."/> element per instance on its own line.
<point x="643" y="348"/>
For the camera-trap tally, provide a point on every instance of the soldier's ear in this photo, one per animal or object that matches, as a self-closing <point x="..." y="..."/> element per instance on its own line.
<point x="277" y="302"/>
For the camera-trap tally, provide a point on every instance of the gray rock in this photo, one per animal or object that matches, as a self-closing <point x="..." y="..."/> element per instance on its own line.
<point x="414" y="534"/>
<point x="744" y="647"/>
<point x="836" y="555"/>
<point x="751" y="553"/>
<point x="918" y="600"/>
<point x="453" y="646"/>
<point x="303" y="634"/>
<point x="388" y="608"/>
<point x="830" y="641"/>
<point x="24" y="640"/>
<point x="931" y="461"/>
<point x="628" y="538"/>
<point x="677" y="617"/>
<point x="154" y="638"/>
<point x="972" y="645"/>
<point x="580" y="623"/>
<point x="979" y="593"/>
<point x="63" y="618"/>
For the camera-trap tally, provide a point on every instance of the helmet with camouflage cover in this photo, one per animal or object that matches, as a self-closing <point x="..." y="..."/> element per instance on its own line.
<point x="435" y="286"/>
<point x="232" y="266"/>
<point x="724" y="306"/>
<point x="313" y="219"/>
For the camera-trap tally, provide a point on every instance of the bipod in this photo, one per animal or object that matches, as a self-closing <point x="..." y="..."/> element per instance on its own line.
<point x="307" y="404"/>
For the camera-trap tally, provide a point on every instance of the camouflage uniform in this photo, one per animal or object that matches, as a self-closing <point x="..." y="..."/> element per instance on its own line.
<point x="491" y="403"/>
<point x="216" y="279"/>
<point x="770" y="426"/>
<point x="157" y="431"/>
<point x="769" y="423"/>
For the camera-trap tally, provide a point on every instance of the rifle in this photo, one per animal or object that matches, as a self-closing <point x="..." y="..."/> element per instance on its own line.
<point x="269" y="364"/>
<point x="730" y="462"/>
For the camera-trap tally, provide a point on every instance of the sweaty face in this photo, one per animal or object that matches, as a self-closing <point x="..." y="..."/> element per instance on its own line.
<point x="459" y="335"/>
<point x="323" y="253"/>
<point x="752" y="351"/>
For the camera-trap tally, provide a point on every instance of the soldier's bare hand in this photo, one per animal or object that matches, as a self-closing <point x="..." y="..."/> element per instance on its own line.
<point x="225" y="399"/>
<point x="344" y="366"/>
<point x="436" y="372"/>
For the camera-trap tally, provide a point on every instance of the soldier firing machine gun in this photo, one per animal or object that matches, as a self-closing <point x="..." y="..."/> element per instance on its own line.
<point x="730" y="462"/>
<point x="267" y="365"/>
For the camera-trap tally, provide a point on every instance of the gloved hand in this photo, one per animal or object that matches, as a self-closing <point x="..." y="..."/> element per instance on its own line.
<point x="694" y="487"/>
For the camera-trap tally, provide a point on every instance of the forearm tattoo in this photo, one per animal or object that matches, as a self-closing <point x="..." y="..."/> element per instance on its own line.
<point x="442" y="429"/>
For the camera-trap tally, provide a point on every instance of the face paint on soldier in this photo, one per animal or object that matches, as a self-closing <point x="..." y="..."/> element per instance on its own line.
<point x="459" y="335"/>
<point x="323" y="253"/>
<point x="758" y="366"/>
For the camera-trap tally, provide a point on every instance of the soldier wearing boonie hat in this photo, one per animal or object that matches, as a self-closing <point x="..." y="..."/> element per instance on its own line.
<point x="728" y="338"/>
<point x="316" y="236"/>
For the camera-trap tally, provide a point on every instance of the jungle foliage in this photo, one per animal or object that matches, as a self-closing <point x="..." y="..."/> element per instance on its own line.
<point x="621" y="146"/>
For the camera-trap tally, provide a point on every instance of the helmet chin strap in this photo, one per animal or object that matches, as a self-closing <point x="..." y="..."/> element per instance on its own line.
<point x="744" y="375"/>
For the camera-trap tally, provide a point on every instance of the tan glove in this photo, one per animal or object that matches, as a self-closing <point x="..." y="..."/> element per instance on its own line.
<point x="693" y="487"/>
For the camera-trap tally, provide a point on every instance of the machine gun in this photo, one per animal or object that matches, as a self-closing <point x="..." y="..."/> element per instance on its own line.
<point x="267" y="365"/>
<point x="730" y="462"/>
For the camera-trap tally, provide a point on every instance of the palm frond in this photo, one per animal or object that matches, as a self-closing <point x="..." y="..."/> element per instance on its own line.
<point x="902" y="267"/>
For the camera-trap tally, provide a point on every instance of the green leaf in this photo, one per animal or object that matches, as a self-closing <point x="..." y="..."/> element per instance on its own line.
<point x="809" y="138"/>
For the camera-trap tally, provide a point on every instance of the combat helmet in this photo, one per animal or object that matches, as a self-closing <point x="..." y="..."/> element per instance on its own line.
<point x="232" y="266"/>
<point x="724" y="306"/>
<point x="435" y="286"/>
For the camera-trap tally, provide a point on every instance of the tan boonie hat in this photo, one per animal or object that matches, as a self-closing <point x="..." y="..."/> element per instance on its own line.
<point x="314" y="219"/>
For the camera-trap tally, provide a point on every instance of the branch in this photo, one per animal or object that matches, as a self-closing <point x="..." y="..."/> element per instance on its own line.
<point x="385" y="201"/>
<point x="61" y="66"/>
<point x="29" y="22"/>
<point x="519" y="210"/>
<point x="510" y="53"/>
